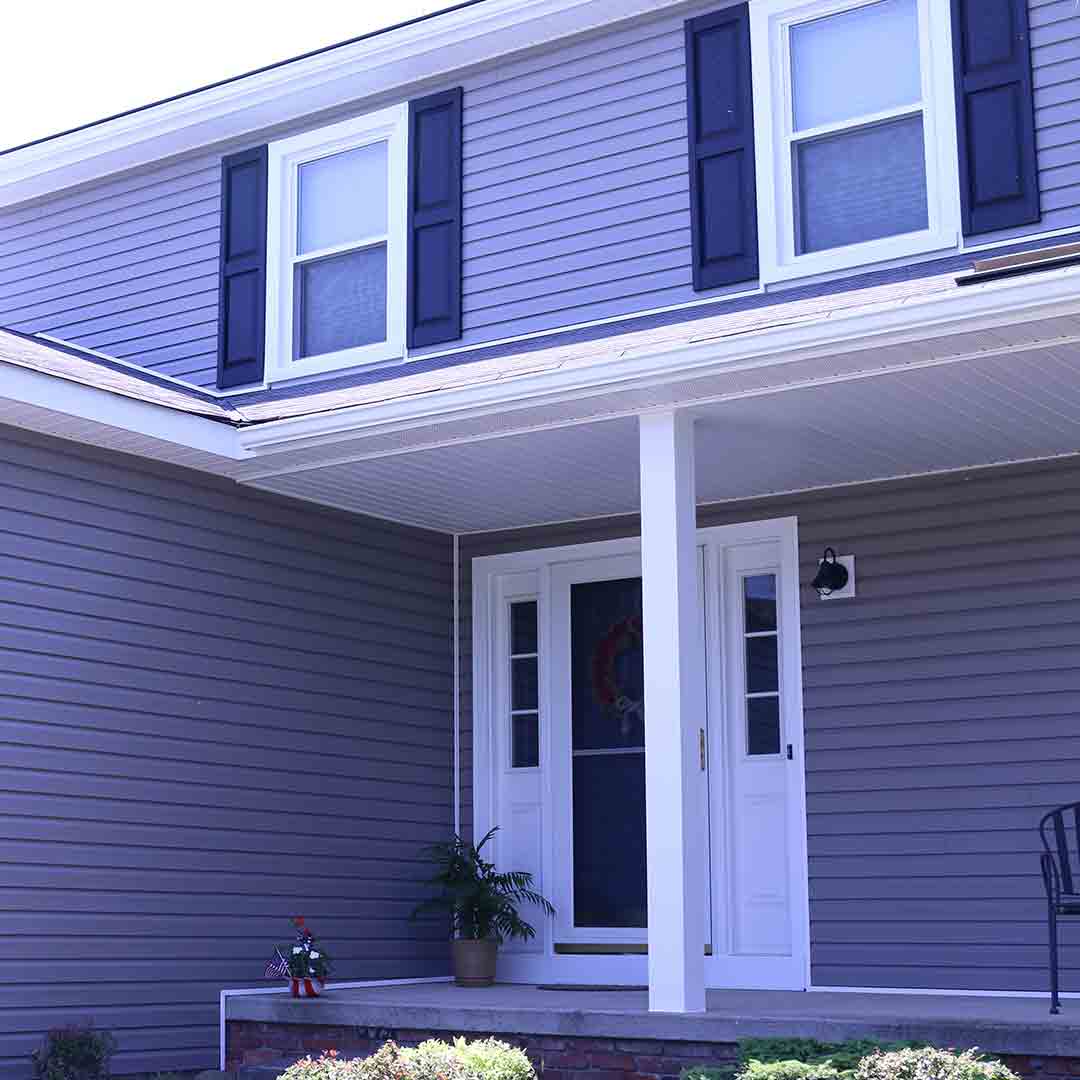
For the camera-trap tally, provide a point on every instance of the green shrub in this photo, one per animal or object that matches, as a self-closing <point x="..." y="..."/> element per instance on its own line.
<point x="434" y="1060"/>
<point x="484" y="1059"/>
<point x="490" y="1059"/>
<point x="795" y="1059"/>
<point x="327" y="1067"/>
<point x="930" y="1063"/>
<point x="74" y="1053"/>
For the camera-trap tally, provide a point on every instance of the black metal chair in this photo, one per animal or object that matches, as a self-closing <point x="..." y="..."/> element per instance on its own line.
<point x="1062" y="884"/>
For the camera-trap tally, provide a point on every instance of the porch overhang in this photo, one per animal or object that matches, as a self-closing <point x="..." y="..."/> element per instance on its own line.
<point x="919" y="381"/>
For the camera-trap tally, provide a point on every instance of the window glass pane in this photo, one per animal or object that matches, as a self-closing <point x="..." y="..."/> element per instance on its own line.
<point x="763" y="725"/>
<point x="861" y="185"/>
<point x="609" y="839"/>
<point x="523" y="680"/>
<point x="525" y="741"/>
<point x="855" y="63"/>
<point x="760" y="594"/>
<point x="340" y="302"/>
<point x="761" y="673"/>
<point x="523" y="627"/>
<point x="607" y="665"/>
<point x="342" y="198"/>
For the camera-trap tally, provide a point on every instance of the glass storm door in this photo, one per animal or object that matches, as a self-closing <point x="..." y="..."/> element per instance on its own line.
<point x="598" y="731"/>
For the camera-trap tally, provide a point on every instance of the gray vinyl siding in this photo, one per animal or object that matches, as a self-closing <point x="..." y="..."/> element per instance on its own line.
<point x="128" y="266"/>
<point x="217" y="709"/>
<point x="576" y="203"/>
<point x="942" y="712"/>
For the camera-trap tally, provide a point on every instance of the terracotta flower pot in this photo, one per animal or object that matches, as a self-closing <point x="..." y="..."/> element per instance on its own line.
<point x="474" y="962"/>
<point x="300" y="987"/>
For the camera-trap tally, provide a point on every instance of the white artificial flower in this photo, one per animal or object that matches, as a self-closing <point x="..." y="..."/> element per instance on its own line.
<point x="314" y="956"/>
<point x="296" y="949"/>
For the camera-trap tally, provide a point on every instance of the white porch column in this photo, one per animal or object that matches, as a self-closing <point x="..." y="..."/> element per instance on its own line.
<point x="674" y="713"/>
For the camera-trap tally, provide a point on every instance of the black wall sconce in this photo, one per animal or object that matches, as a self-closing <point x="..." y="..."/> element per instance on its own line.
<point x="832" y="575"/>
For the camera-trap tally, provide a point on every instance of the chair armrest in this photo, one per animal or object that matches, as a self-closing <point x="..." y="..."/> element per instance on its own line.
<point x="1051" y="877"/>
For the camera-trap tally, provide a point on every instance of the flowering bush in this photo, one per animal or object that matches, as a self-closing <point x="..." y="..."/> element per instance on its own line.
<point x="484" y="1059"/>
<point x="859" y="1059"/>
<point x="930" y="1063"/>
<point x="305" y="959"/>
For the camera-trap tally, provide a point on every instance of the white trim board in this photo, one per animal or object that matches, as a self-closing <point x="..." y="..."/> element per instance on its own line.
<point x="976" y="307"/>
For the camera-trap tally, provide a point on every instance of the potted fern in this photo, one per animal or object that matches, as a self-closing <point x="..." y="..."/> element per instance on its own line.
<point x="482" y="904"/>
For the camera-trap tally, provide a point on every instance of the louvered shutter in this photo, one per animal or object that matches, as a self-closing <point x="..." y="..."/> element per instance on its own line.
<point x="999" y="184"/>
<point x="720" y="114"/>
<point x="434" y="275"/>
<point x="242" y="292"/>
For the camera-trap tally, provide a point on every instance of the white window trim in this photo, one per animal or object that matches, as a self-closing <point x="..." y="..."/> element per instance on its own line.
<point x="284" y="160"/>
<point x="770" y="22"/>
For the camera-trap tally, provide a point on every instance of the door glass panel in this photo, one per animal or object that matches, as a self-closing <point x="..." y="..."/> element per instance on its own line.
<point x="763" y="725"/>
<point x="762" y="689"/>
<point x="524" y="740"/>
<point x="608" y="748"/>
<point x="524" y="686"/>
<point x="523" y="627"/>
<point x="523" y="680"/>
<point x="761" y="674"/>
<point x="760" y="592"/>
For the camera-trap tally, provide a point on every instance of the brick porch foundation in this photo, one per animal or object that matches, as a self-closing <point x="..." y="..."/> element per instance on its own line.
<point x="253" y="1043"/>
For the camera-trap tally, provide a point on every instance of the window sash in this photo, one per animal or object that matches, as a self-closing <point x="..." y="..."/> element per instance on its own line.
<point x="777" y="140"/>
<point x="287" y="156"/>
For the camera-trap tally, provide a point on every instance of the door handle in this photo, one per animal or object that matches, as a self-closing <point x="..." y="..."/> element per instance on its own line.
<point x="701" y="747"/>
<point x="790" y="752"/>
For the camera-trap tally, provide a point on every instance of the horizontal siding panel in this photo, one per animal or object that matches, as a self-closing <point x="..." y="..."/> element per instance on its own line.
<point x="121" y="264"/>
<point x="216" y="708"/>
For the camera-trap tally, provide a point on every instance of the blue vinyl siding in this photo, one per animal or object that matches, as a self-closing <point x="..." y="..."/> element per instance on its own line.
<point x="218" y="709"/>
<point x="575" y="199"/>
<point x="128" y="266"/>
<point x="942" y="716"/>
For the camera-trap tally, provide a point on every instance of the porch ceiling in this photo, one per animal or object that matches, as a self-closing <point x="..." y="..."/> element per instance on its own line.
<point x="876" y="419"/>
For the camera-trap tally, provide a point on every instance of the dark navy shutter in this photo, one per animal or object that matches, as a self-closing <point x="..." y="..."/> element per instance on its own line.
<point x="720" y="115"/>
<point x="434" y="277"/>
<point x="995" y="113"/>
<point x="242" y="291"/>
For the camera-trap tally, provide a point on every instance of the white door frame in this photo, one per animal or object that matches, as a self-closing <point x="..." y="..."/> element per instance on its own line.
<point x="519" y="574"/>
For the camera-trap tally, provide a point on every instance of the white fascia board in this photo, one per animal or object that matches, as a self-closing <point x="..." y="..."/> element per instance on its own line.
<point x="427" y="49"/>
<point x="43" y="391"/>
<point x="973" y="308"/>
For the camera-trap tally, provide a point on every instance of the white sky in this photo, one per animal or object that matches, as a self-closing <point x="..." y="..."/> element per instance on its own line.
<point x="68" y="62"/>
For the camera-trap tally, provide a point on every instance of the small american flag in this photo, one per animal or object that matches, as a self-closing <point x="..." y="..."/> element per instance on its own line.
<point x="277" y="967"/>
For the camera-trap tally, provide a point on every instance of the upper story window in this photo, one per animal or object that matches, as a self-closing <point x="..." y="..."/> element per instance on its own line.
<point x="336" y="246"/>
<point x="856" y="144"/>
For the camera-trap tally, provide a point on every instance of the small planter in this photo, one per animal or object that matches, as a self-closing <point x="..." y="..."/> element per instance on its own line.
<point x="474" y="962"/>
<point x="305" y="988"/>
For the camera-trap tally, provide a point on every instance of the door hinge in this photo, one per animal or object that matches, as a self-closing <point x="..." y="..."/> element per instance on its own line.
<point x="701" y="747"/>
<point x="790" y="752"/>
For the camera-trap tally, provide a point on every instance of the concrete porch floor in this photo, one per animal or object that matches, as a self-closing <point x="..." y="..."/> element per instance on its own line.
<point x="1003" y="1025"/>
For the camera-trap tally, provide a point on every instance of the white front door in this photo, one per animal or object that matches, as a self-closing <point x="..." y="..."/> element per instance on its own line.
<point x="582" y="791"/>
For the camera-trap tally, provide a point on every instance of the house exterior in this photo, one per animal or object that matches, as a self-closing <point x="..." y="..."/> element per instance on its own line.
<point x="442" y="431"/>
